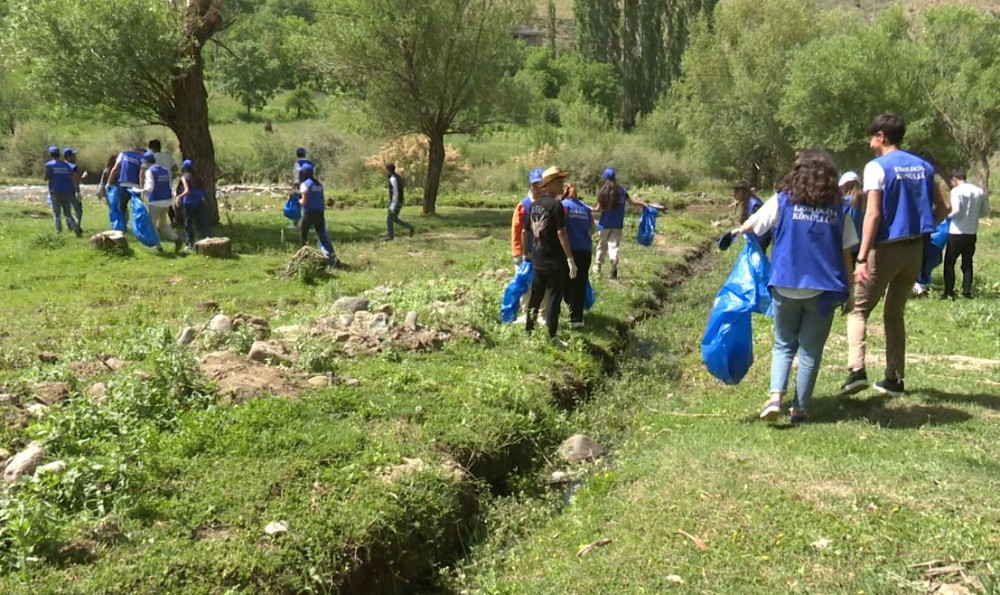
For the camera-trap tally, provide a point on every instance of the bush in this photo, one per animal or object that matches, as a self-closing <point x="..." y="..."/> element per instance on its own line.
<point x="409" y="153"/>
<point x="24" y="154"/>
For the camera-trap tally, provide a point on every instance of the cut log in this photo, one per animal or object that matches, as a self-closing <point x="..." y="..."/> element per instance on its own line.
<point x="109" y="241"/>
<point x="214" y="247"/>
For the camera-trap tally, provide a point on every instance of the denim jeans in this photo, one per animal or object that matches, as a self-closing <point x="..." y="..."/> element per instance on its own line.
<point x="800" y="328"/>
<point x="195" y="215"/>
<point x="62" y="204"/>
<point x="393" y="217"/>
<point x="78" y="208"/>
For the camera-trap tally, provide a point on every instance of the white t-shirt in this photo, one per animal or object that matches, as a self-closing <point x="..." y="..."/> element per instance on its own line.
<point x="873" y="177"/>
<point x="165" y="160"/>
<point x="968" y="204"/>
<point x="764" y="221"/>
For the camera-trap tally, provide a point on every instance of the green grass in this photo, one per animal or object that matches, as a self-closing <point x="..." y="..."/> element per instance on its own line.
<point x="889" y="483"/>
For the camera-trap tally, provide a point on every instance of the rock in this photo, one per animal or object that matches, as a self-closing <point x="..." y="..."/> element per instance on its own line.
<point x="51" y="393"/>
<point x="292" y="331"/>
<point x="319" y="381"/>
<point x="267" y="352"/>
<point x="351" y="304"/>
<point x="411" y="321"/>
<point x="221" y="324"/>
<point x="580" y="448"/>
<point x="209" y="306"/>
<point x="37" y="409"/>
<point x="560" y="477"/>
<point x="379" y="325"/>
<point x="186" y="336"/>
<point x="386" y="309"/>
<point x="256" y="324"/>
<point x="342" y="337"/>
<point x="276" y="528"/>
<point x="47" y="357"/>
<point x="53" y="467"/>
<point x="98" y="391"/>
<point x="4" y="454"/>
<point x="351" y="382"/>
<point x="114" y="363"/>
<point x="345" y="320"/>
<point x="382" y="290"/>
<point x="24" y="462"/>
<point x="6" y="398"/>
<point x="143" y="375"/>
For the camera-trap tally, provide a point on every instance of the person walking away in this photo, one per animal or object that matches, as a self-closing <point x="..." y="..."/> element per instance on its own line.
<point x="395" y="201"/>
<point x="611" y="202"/>
<point x="747" y="203"/>
<point x="59" y="177"/>
<point x="811" y="271"/>
<point x="969" y="203"/>
<point x="580" y="228"/>
<point x="854" y="204"/>
<point x="517" y="224"/>
<point x="126" y="173"/>
<point x="191" y="199"/>
<point x="313" y="208"/>
<point x="551" y="255"/>
<point x="106" y="184"/>
<point x="69" y="156"/>
<point x="159" y="195"/>
<point x="166" y="161"/>
<point x="300" y="160"/>
<point x="904" y="204"/>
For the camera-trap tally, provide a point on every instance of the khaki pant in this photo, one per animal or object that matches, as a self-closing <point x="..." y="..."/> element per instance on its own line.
<point x="894" y="268"/>
<point x="607" y="247"/>
<point x="161" y="221"/>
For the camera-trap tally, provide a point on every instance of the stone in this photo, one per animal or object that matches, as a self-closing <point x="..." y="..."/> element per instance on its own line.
<point x="382" y="290"/>
<point x="267" y="352"/>
<point x="411" y="321"/>
<point x="292" y="331"/>
<point x="209" y="306"/>
<point x="8" y="398"/>
<point x="345" y="320"/>
<point x="379" y="325"/>
<point x="186" y="336"/>
<point x="114" y="363"/>
<point x="342" y="337"/>
<point x="4" y="454"/>
<point x="51" y="393"/>
<point x="319" y="381"/>
<point x="98" y="391"/>
<point x="24" y="462"/>
<point x="221" y="324"/>
<point x="47" y="357"/>
<point x="351" y="304"/>
<point x="276" y="528"/>
<point x="37" y="409"/>
<point x="351" y="382"/>
<point x="143" y="375"/>
<point x="53" y="467"/>
<point x="386" y="309"/>
<point x="580" y="448"/>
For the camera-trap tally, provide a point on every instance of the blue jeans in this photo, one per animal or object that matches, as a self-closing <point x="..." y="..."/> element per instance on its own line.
<point x="195" y="215"/>
<point x="393" y="217"/>
<point x="62" y="204"/>
<point x="800" y="328"/>
<point x="78" y="208"/>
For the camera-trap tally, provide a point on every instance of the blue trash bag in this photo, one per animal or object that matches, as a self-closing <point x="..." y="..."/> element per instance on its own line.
<point x="293" y="210"/>
<point x="518" y="286"/>
<point x="322" y="248"/>
<point x="48" y="201"/>
<point x="647" y="226"/>
<point x="114" y="209"/>
<point x="589" y="298"/>
<point x="727" y="346"/>
<point x="142" y="224"/>
<point x="940" y="236"/>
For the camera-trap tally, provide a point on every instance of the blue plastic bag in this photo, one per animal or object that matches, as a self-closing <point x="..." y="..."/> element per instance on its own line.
<point x="647" y="226"/>
<point x="590" y="297"/>
<point x="293" y="210"/>
<point x="940" y="236"/>
<point x="727" y="346"/>
<point x="518" y="286"/>
<point x="114" y="208"/>
<point x="322" y="248"/>
<point x="142" y="224"/>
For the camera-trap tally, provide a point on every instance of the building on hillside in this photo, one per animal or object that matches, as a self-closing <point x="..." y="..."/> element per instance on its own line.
<point x="528" y="35"/>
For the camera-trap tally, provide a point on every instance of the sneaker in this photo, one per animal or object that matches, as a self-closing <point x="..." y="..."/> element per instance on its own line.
<point x="771" y="410"/>
<point x="967" y="296"/>
<point x="576" y="325"/>
<point x="79" y="234"/>
<point x="919" y="290"/>
<point x="521" y="319"/>
<point x="614" y="273"/>
<point x="558" y="343"/>
<point x="413" y="230"/>
<point x="947" y="296"/>
<point x="892" y="388"/>
<point x="597" y="270"/>
<point x="856" y="381"/>
<point x="177" y="246"/>
<point x="797" y="416"/>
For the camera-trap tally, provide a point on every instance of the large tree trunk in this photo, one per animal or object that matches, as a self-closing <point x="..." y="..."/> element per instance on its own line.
<point x="191" y="128"/>
<point x="435" y="166"/>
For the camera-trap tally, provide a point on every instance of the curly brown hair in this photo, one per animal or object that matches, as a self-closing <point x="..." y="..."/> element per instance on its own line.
<point x="813" y="180"/>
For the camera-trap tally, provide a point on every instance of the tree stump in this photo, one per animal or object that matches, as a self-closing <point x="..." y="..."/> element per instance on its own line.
<point x="109" y="241"/>
<point x="214" y="247"/>
<point x="306" y="254"/>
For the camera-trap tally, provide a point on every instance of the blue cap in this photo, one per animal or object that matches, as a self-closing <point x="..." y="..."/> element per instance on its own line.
<point x="187" y="163"/>
<point x="68" y="151"/>
<point x="149" y="156"/>
<point x="300" y="152"/>
<point x="306" y="167"/>
<point x="609" y="174"/>
<point x="54" y="151"/>
<point x="535" y="176"/>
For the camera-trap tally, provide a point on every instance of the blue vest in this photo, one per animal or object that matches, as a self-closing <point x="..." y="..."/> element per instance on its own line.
<point x="907" y="197"/>
<point x="299" y="163"/>
<point x="161" y="183"/>
<point x="809" y="249"/>
<point x="578" y="224"/>
<point x="128" y="172"/>
<point x="615" y="219"/>
<point x="60" y="176"/>
<point x="525" y="209"/>
<point x="314" y="198"/>
<point x="856" y="215"/>
<point x="752" y="205"/>
<point x="196" y="194"/>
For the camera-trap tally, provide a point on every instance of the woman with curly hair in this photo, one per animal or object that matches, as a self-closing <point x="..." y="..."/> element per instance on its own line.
<point x="810" y="275"/>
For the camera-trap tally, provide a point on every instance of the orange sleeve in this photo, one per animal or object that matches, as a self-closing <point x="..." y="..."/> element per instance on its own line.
<point x="515" y="231"/>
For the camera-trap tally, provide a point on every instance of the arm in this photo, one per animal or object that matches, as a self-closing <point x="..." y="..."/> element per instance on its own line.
<point x="634" y="203"/>
<point x="564" y="242"/>
<point x="185" y="192"/>
<point x="113" y="175"/>
<point x="76" y="179"/>
<point x="393" y="193"/>
<point x="45" y="176"/>
<point x="303" y="191"/>
<point x="763" y="220"/>
<point x="147" y="188"/>
<point x="873" y="220"/>
<point x="524" y="242"/>
<point x="516" y="242"/>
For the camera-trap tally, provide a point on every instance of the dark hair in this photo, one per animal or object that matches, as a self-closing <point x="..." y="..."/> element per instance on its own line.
<point x="743" y="188"/>
<point x="609" y="196"/>
<point x="813" y="180"/>
<point x="958" y="173"/>
<point x="390" y="167"/>
<point x="155" y="145"/>
<point x="111" y="162"/>
<point x="891" y="125"/>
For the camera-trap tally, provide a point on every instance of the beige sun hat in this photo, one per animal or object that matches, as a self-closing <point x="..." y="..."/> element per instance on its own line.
<point x="553" y="173"/>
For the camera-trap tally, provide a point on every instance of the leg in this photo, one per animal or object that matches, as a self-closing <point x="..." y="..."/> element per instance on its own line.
<point x="614" y="240"/>
<point x="307" y="219"/>
<point x="324" y="239"/>
<point x="538" y="284"/>
<point x="398" y="221"/>
<point x="950" y="256"/>
<point x="553" y="299"/>
<point x="602" y="249"/>
<point x="905" y="258"/>
<point x="576" y="289"/>
<point x="812" y="339"/>
<point x="78" y="209"/>
<point x="319" y="223"/>
<point x="388" y="223"/>
<point x="56" y="213"/>
<point x="787" y="321"/>
<point x="65" y="202"/>
<point x="189" y="215"/>
<point x="968" y="251"/>
<point x="866" y="297"/>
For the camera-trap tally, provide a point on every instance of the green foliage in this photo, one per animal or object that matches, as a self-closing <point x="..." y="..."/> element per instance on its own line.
<point x="301" y="101"/>
<point x="251" y="69"/>
<point x="24" y="152"/>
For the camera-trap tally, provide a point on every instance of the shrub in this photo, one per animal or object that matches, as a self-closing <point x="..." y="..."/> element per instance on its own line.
<point x="409" y="153"/>
<point x="24" y="154"/>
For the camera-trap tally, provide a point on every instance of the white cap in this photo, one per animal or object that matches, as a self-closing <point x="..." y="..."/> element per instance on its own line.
<point x="848" y="177"/>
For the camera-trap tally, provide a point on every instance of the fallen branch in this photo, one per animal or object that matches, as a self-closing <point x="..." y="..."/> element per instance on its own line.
<point x="695" y="540"/>
<point x="584" y="550"/>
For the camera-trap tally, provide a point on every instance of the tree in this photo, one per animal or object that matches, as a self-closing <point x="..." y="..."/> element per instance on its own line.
<point x="250" y="68"/>
<point x="962" y="52"/>
<point x="301" y="101"/>
<point x="433" y="67"/>
<point x="142" y="59"/>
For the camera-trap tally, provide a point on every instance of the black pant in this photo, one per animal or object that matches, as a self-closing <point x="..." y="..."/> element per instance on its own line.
<point x="963" y="245"/>
<point x="547" y="285"/>
<point x="576" y="289"/>
<point x="316" y="220"/>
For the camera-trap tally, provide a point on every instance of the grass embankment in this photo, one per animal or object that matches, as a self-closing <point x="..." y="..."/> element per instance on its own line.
<point x="167" y="488"/>
<point x="856" y="501"/>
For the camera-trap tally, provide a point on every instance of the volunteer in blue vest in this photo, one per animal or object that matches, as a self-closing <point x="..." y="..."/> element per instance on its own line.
<point x="611" y="202"/>
<point x="191" y="199"/>
<point x="395" y="201"/>
<point x="159" y="195"/>
<point x="810" y="275"/>
<point x="521" y="216"/>
<point x="69" y="156"/>
<point x="580" y="228"/>
<point x="551" y="255"/>
<point x="748" y="203"/>
<point x="126" y="173"/>
<point x="313" y="208"/>
<point x="300" y="160"/>
<point x="854" y="202"/>
<point x="59" y="176"/>
<point x="904" y="205"/>
<point x="968" y="204"/>
<point x="166" y="161"/>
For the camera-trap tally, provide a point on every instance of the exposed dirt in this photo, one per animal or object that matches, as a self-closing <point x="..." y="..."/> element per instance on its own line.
<point x="240" y="379"/>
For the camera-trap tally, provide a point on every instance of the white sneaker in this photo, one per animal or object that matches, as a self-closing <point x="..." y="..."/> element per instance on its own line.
<point x="597" y="270"/>
<point x="919" y="290"/>
<point x="521" y="319"/>
<point x="576" y="325"/>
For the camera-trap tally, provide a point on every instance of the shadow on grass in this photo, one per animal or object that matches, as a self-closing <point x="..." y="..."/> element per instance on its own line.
<point x="875" y="410"/>
<point x="983" y="400"/>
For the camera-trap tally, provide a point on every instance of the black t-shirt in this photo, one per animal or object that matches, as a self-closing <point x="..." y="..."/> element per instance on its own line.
<point x="545" y="218"/>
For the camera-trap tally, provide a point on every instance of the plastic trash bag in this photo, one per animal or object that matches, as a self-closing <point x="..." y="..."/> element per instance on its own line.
<point x="518" y="286"/>
<point x="322" y="248"/>
<point x="727" y="346"/>
<point x="940" y="235"/>
<point x="115" y="196"/>
<point x="142" y="224"/>
<point x="293" y="210"/>
<point x="647" y="226"/>
<point x="589" y="298"/>
<point x="48" y="201"/>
